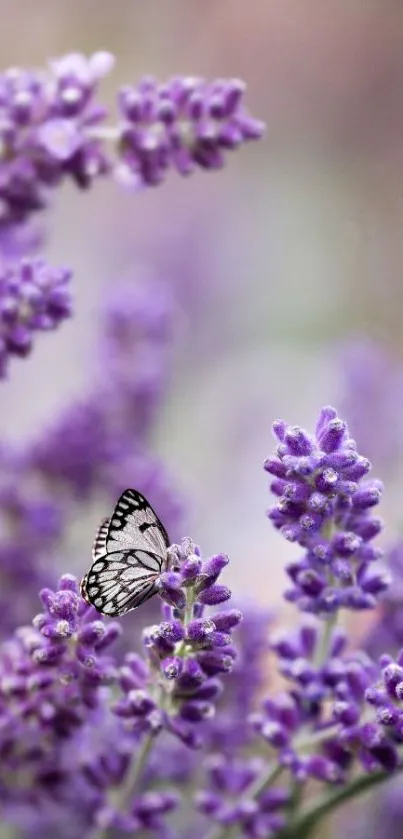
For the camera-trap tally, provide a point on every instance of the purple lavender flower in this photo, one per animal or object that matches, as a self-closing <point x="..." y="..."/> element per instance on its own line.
<point x="47" y="131"/>
<point x="53" y="127"/>
<point x="138" y="336"/>
<point x="18" y="241"/>
<point x="32" y="523"/>
<point x="243" y="686"/>
<point x="58" y="684"/>
<point x="229" y="802"/>
<point x="96" y="441"/>
<point x="182" y="124"/>
<point x="187" y="653"/>
<point x="338" y="707"/>
<point x="325" y="505"/>
<point x="51" y="677"/>
<point x="33" y="297"/>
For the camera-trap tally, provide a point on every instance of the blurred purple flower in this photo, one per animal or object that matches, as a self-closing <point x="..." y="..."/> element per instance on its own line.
<point x="58" y="684"/>
<point x="387" y="632"/>
<point x="182" y="124"/>
<point x="46" y="131"/>
<point x="33" y="297"/>
<point x="372" y="393"/>
<point x="244" y="684"/>
<point x="186" y="652"/>
<point x="228" y="803"/>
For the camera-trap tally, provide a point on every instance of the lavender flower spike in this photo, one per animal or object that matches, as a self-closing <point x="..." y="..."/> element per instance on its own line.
<point x="182" y="124"/>
<point x="186" y="652"/>
<point x="325" y="505"/>
<point x="33" y="297"/>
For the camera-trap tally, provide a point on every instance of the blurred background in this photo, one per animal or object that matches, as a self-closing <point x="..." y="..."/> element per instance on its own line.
<point x="286" y="266"/>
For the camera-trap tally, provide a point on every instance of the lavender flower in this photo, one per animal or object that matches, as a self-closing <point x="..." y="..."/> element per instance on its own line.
<point x="51" y="676"/>
<point x="98" y="438"/>
<point x="46" y="131"/>
<point x="325" y="505"/>
<point x="33" y="297"/>
<point x="339" y="708"/>
<point x="58" y="684"/>
<point x="229" y="801"/>
<point x="186" y="652"/>
<point x="316" y="725"/>
<point x="53" y="127"/>
<point x="244" y="684"/>
<point x="182" y="124"/>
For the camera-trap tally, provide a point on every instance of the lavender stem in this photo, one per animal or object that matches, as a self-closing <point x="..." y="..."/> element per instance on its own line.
<point x="126" y="791"/>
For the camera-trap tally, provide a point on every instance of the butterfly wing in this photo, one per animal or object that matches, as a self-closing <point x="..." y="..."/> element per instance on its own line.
<point x="129" y="555"/>
<point x="121" y="581"/>
<point x="99" y="546"/>
<point x="135" y="526"/>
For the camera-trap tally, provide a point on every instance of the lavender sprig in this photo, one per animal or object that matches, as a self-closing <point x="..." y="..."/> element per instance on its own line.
<point x="182" y="124"/>
<point x="58" y="684"/>
<point x="186" y="652"/>
<point x="175" y="688"/>
<point x="33" y="297"/>
<point x="53" y="127"/>
<point x="325" y="505"/>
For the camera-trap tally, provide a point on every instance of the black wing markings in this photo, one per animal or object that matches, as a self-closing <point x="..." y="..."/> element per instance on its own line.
<point x="111" y="584"/>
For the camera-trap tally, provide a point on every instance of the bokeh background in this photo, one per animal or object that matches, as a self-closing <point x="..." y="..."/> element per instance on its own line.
<point x="278" y="263"/>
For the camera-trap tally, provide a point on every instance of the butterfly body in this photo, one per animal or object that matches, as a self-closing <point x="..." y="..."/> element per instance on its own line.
<point x="129" y="554"/>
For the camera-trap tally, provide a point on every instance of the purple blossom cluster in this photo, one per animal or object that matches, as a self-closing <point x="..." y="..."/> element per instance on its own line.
<point x="325" y="720"/>
<point x="325" y="505"/>
<point x="230" y="803"/>
<point x="58" y="683"/>
<point x="50" y="685"/>
<point x="33" y="297"/>
<point x="53" y="127"/>
<point x="91" y="445"/>
<point x="182" y="124"/>
<point x="46" y="131"/>
<point x="386" y="633"/>
<point x="187" y="653"/>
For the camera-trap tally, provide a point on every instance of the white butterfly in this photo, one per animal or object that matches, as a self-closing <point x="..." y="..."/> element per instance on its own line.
<point x="129" y="553"/>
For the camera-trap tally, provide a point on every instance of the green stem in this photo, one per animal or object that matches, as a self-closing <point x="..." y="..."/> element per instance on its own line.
<point x="120" y="798"/>
<point x="187" y="617"/>
<point x="254" y="790"/>
<point x="322" y="651"/>
<point x="325" y="804"/>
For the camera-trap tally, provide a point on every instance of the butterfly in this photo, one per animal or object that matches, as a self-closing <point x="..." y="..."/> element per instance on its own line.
<point x="130" y="552"/>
